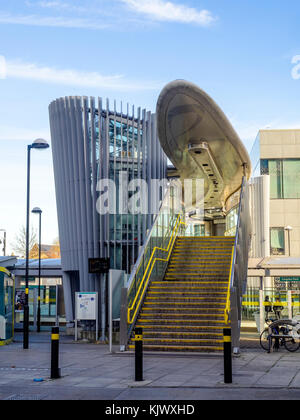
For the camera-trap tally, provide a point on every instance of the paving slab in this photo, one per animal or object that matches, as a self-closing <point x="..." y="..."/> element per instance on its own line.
<point x="90" y="372"/>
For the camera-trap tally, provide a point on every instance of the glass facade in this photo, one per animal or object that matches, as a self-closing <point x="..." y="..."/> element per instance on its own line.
<point x="284" y="177"/>
<point x="126" y="142"/>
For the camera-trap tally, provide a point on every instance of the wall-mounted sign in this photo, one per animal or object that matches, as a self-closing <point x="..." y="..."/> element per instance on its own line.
<point x="289" y="279"/>
<point x="99" y="265"/>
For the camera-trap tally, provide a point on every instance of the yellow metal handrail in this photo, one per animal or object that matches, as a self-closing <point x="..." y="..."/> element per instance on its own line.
<point x="227" y="307"/>
<point x="144" y="281"/>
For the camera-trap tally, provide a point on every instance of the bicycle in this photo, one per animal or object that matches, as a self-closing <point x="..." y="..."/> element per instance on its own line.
<point x="283" y="334"/>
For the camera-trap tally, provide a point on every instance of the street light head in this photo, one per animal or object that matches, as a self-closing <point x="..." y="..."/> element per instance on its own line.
<point x="36" y="210"/>
<point x="288" y="228"/>
<point x="40" y="144"/>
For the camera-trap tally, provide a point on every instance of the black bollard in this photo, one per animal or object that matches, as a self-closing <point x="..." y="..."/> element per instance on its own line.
<point x="138" y="354"/>
<point x="55" y="371"/>
<point x="227" y="356"/>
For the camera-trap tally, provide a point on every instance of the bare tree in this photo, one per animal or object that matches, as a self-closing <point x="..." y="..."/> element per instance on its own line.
<point x="19" y="245"/>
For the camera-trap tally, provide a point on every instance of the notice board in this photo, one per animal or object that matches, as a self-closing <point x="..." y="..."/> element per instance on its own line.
<point x="86" y="305"/>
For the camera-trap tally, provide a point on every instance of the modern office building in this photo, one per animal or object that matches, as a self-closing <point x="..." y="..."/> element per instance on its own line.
<point x="274" y="265"/>
<point x="92" y="146"/>
<point x="276" y="153"/>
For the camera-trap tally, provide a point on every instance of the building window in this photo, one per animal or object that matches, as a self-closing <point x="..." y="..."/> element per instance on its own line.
<point x="199" y="230"/>
<point x="277" y="241"/>
<point x="231" y="221"/>
<point x="284" y="177"/>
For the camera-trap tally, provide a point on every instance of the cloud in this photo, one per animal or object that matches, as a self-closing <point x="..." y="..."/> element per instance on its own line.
<point x="59" y="5"/>
<point x="70" y="77"/>
<point x="52" y="21"/>
<point x="100" y="15"/>
<point x="168" y="11"/>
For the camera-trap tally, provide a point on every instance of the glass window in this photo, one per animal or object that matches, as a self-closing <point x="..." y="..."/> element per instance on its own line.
<point x="199" y="230"/>
<point x="291" y="178"/>
<point x="276" y="184"/>
<point x="277" y="241"/>
<point x="231" y="222"/>
<point x="284" y="177"/>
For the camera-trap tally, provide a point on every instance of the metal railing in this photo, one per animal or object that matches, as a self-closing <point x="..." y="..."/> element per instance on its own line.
<point x="154" y="256"/>
<point x="239" y="266"/>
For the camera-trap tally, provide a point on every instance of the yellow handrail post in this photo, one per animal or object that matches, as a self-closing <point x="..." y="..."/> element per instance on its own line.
<point x="227" y="307"/>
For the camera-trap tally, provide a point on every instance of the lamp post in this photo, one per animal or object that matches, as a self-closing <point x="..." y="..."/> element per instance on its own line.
<point x="4" y="241"/>
<point x="37" y="144"/>
<point x="38" y="211"/>
<point x="289" y="229"/>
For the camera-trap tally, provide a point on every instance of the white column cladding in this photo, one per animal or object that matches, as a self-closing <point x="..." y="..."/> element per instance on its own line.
<point x="260" y="217"/>
<point x="81" y="141"/>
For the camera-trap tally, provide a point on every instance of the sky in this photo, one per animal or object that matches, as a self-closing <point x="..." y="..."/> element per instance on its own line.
<point x="245" y="54"/>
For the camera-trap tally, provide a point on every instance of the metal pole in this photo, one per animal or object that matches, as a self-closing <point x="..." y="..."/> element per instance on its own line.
<point x="39" y="289"/>
<point x="26" y="306"/>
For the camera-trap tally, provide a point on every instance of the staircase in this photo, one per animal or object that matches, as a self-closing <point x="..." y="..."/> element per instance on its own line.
<point x="185" y="311"/>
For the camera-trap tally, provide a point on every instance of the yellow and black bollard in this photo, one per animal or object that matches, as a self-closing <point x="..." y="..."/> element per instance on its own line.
<point x="55" y="371"/>
<point x="138" y="354"/>
<point x="227" y="356"/>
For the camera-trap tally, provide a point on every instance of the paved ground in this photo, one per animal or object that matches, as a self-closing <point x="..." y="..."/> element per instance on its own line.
<point x="90" y="372"/>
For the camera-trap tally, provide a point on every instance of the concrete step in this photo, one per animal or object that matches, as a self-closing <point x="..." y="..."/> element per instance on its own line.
<point x="170" y="304"/>
<point x="206" y="280"/>
<point x="149" y="328"/>
<point x="207" y="292"/>
<point x="204" y="248"/>
<point x="183" y="334"/>
<point x="182" y="341"/>
<point x="181" y="316"/>
<point x="195" y="283"/>
<point x="191" y="287"/>
<point x="197" y="300"/>
<point x="200" y="259"/>
<point x="185" y="348"/>
<point x="159" y="311"/>
<point x="200" y="322"/>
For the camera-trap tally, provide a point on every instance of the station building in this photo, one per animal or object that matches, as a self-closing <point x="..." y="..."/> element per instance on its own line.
<point x="94" y="142"/>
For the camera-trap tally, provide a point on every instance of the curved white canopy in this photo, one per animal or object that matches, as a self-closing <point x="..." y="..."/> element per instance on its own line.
<point x="200" y="142"/>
